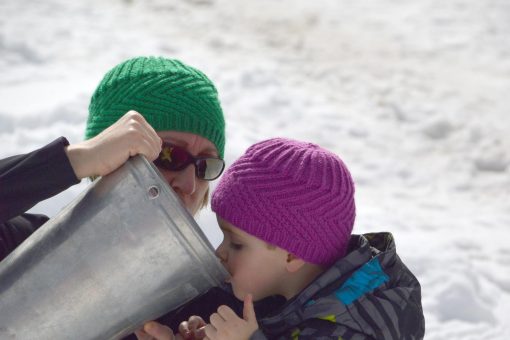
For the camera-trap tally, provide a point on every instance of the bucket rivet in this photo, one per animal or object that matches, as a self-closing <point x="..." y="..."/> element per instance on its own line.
<point x="153" y="192"/>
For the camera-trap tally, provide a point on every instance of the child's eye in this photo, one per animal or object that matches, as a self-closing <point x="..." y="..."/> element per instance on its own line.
<point x="236" y="246"/>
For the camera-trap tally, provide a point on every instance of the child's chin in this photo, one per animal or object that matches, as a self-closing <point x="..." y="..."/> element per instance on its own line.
<point x="238" y="295"/>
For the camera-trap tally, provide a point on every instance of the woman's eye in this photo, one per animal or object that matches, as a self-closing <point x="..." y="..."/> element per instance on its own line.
<point x="236" y="246"/>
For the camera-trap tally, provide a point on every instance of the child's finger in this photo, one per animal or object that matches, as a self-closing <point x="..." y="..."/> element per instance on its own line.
<point x="248" y="310"/>
<point x="227" y="313"/>
<point x="200" y="333"/>
<point x="210" y="332"/>
<point x="216" y="320"/>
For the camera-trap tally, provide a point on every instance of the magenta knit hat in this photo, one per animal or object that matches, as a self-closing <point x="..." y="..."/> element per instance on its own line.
<point x="295" y="195"/>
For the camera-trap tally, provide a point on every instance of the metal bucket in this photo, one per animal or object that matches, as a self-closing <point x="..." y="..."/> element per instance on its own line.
<point x="124" y="252"/>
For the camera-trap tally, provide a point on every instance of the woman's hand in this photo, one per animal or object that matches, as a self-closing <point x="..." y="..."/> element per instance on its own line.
<point x="156" y="331"/>
<point x="129" y="136"/>
<point x="193" y="329"/>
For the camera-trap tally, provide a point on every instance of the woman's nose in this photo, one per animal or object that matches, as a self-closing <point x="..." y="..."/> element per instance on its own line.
<point x="185" y="181"/>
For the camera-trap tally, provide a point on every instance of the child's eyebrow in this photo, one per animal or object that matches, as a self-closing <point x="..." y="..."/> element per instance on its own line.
<point x="227" y="229"/>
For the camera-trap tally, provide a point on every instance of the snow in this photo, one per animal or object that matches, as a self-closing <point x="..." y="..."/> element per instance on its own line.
<point x="413" y="95"/>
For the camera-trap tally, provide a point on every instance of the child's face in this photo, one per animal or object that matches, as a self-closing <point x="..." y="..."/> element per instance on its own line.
<point x="254" y="267"/>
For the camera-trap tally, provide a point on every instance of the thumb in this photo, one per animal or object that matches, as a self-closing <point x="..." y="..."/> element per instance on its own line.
<point x="248" y="310"/>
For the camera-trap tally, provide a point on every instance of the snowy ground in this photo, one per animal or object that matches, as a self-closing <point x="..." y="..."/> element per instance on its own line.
<point x="413" y="95"/>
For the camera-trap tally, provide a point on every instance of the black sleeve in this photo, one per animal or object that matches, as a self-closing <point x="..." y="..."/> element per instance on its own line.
<point x="16" y="230"/>
<point x="25" y="180"/>
<point x="208" y="303"/>
<point x="203" y="306"/>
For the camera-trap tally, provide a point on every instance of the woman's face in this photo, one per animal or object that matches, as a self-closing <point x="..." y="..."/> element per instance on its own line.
<point x="190" y="189"/>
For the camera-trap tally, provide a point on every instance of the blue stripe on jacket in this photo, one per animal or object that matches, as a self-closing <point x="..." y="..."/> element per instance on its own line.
<point x="364" y="280"/>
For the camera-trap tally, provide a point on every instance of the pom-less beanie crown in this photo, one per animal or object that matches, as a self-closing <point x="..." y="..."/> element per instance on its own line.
<point x="168" y="93"/>
<point x="295" y="195"/>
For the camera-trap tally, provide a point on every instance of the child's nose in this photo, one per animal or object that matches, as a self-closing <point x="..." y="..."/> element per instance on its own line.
<point x="220" y="253"/>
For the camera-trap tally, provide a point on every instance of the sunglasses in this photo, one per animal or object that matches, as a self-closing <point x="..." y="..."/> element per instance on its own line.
<point x="176" y="158"/>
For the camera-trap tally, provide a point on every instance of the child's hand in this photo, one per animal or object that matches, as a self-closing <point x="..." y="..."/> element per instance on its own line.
<point x="225" y="324"/>
<point x="193" y="329"/>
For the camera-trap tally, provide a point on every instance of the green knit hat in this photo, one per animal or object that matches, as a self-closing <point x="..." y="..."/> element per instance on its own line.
<point x="168" y="93"/>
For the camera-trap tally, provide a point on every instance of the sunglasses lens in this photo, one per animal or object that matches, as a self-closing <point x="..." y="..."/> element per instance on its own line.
<point x="173" y="158"/>
<point x="209" y="168"/>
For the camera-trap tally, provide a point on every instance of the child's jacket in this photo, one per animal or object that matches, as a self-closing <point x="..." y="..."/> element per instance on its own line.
<point x="368" y="294"/>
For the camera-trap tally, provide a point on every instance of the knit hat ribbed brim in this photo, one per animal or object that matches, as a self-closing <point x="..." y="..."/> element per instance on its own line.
<point x="168" y="93"/>
<point x="295" y="195"/>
